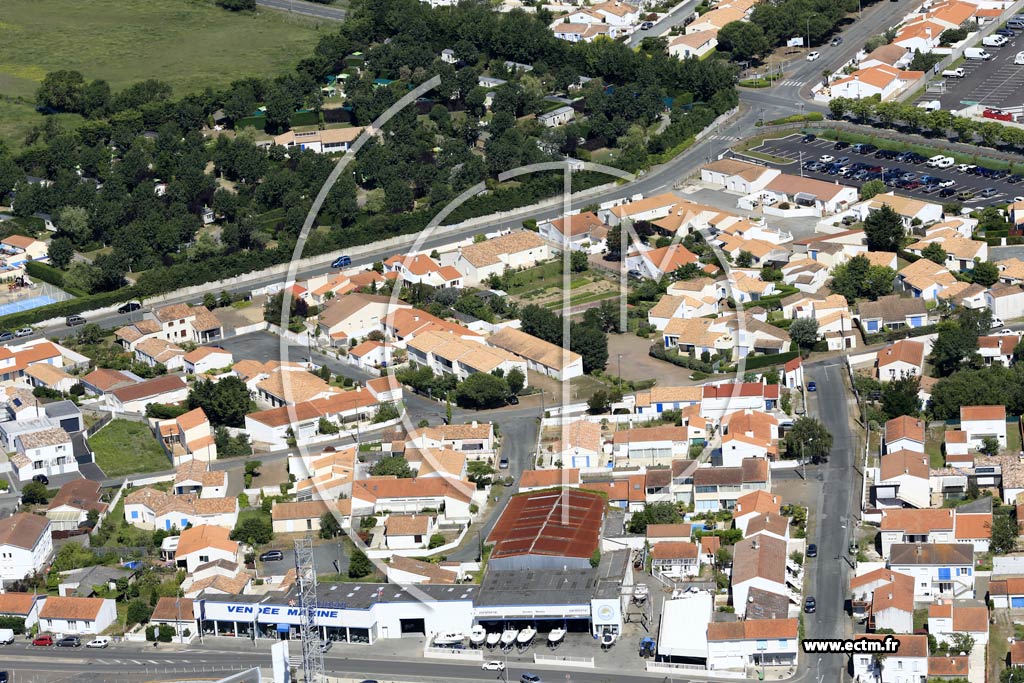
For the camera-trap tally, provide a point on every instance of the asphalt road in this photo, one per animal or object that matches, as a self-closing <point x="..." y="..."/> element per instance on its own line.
<point x="309" y="9"/>
<point x="665" y="24"/>
<point x="995" y="83"/>
<point x="838" y="485"/>
<point x="791" y="148"/>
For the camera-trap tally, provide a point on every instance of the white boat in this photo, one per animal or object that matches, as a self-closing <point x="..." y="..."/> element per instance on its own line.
<point x="449" y="638"/>
<point x="556" y="636"/>
<point x="477" y="635"/>
<point x="526" y="635"/>
<point x="607" y="639"/>
<point x="640" y="592"/>
<point x="493" y="638"/>
<point x="508" y="636"/>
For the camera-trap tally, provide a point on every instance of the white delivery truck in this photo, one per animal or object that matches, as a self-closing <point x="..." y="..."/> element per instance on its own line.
<point x="6" y="636"/>
<point x="953" y="73"/>
<point x="976" y="53"/>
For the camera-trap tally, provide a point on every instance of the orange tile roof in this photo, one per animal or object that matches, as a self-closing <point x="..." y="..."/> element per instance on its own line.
<point x="973" y="525"/>
<point x="546" y="478"/>
<point x="904" y="427"/>
<point x="376" y="488"/>
<point x="407" y="525"/>
<point x="205" y="536"/>
<point x="905" y="350"/>
<point x="71" y="608"/>
<point x="669" y="530"/>
<point x="171" y="609"/>
<point x="17" y="603"/>
<point x="970" y="413"/>
<point x="672" y="550"/>
<point x="917" y="522"/>
<point x="910" y="646"/>
<point x="904" y="462"/>
<point x="753" y="629"/>
<point x="757" y="502"/>
<point x="970" y="618"/>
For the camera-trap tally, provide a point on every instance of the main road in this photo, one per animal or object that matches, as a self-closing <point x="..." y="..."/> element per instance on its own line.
<point x="308" y="9"/>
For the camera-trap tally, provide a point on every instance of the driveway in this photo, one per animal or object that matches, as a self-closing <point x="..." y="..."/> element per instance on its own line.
<point x="327" y="557"/>
<point x="637" y="365"/>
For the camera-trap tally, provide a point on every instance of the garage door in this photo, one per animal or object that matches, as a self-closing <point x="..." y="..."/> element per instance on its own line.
<point x="1017" y="602"/>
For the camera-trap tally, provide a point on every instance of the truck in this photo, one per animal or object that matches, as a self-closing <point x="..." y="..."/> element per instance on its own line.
<point x="976" y="53"/>
<point x="953" y="73"/>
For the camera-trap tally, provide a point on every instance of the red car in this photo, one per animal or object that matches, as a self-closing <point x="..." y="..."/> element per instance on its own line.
<point x="43" y="641"/>
<point x="998" y="115"/>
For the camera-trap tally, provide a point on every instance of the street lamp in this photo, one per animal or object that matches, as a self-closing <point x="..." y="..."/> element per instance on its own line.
<point x="620" y="374"/>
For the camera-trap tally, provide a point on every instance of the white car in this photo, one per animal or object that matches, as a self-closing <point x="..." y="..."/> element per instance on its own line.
<point x="947" y="183"/>
<point x="493" y="665"/>
<point x="99" y="642"/>
<point x="1018" y="199"/>
<point x="1019" y="59"/>
<point x="964" y="168"/>
<point x="826" y="158"/>
<point x="997" y="322"/>
<point x="811" y="56"/>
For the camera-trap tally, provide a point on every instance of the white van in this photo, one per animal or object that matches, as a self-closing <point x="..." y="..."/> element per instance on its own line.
<point x="6" y="636"/>
<point x="994" y="40"/>
<point x="976" y="53"/>
<point x="945" y="162"/>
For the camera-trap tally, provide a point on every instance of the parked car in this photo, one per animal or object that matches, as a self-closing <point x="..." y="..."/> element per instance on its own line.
<point x="965" y="168"/>
<point x="1014" y="179"/>
<point x="948" y="182"/>
<point x="341" y="262"/>
<point x="326" y="645"/>
<point x="996" y="323"/>
<point x="272" y="556"/>
<point x="43" y="641"/>
<point x="947" y="192"/>
<point x="810" y="137"/>
<point x="810" y="605"/>
<point x="493" y="665"/>
<point x="840" y="145"/>
<point x="964" y="195"/>
<point x="99" y="642"/>
<point x="811" y="56"/>
<point x="6" y="335"/>
<point x="997" y="114"/>
<point x="812" y="550"/>
<point x="529" y="678"/>
<point x="24" y="332"/>
<point x="73" y="320"/>
<point x="503" y="464"/>
<point x="826" y="158"/>
<point x="647" y="26"/>
<point x="1019" y="58"/>
<point x="812" y="386"/>
<point x="129" y="307"/>
<point x="838" y="40"/>
<point x="69" y="641"/>
<point x="6" y="636"/>
<point x="864" y="148"/>
<point x="988" y="192"/>
<point x="42" y="479"/>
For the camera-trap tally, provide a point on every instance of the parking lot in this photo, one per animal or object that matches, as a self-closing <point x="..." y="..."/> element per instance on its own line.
<point x="800" y="153"/>
<point x="997" y="83"/>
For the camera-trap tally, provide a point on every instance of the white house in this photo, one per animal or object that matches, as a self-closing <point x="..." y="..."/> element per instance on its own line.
<point x="354" y="316"/>
<point x="75" y="616"/>
<point x="904" y="433"/>
<point x="757" y="562"/>
<point x="693" y="44"/>
<point x="907" y="525"/>
<point x="203" y="544"/>
<point x="329" y="141"/>
<point x="48" y="452"/>
<point x="305" y="516"/>
<point x="520" y="249"/>
<point x="134" y="398"/>
<point x="904" y="357"/>
<point x="541" y="356"/>
<point x="375" y="495"/>
<point x="946" y="617"/>
<point x="908" y="664"/>
<point x="650" y="445"/>
<point x="206" y="359"/>
<point x="25" y="545"/>
<point x="884" y="81"/>
<point x="752" y="643"/>
<point x="407" y="532"/>
<point x="579" y="232"/>
<point x="734" y="175"/>
<point x="913" y="212"/>
<point x="903" y="479"/>
<point x="640" y="209"/>
<point x="1005" y="301"/>
<point x="675" y="559"/>
<point x="938" y="569"/>
<point x="980" y="422"/>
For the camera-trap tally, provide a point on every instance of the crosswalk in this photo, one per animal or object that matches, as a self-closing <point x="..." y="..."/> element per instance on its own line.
<point x="142" y="662"/>
<point x="790" y="82"/>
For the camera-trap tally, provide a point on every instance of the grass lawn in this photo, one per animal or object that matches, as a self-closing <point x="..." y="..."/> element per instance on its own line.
<point x="933" y="447"/>
<point x="1013" y="437"/>
<point x="18" y="117"/>
<point x="188" y="44"/>
<point x="125" y="447"/>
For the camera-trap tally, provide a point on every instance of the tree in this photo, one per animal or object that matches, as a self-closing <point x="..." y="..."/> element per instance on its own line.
<point x="253" y="529"/>
<point x="595" y="558"/>
<point x="578" y="261"/>
<point x="857" y="279"/>
<point x="481" y="390"/>
<point x="808" y="438"/>
<point x="436" y="541"/>
<point x="225" y="402"/>
<point x="34" y="493"/>
<point x="655" y="513"/>
<point x="804" y="332"/>
<point x="744" y="259"/>
<point x="479" y="472"/>
<point x="392" y="466"/>
<point x="237" y="5"/>
<point x="952" y="345"/>
<point x="359" y="565"/>
<point x="138" y="612"/>
<point x="329" y="527"/>
<point x="1004" y="534"/>
<point x="599" y="402"/>
<point x="961" y="643"/>
<point x="61" y="91"/>
<point x="989" y="445"/>
<point x="934" y="253"/>
<point x="515" y="381"/>
<point x="73" y="223"/>
<point x="745" y="40"/>
<point x="613" y="243"/>
<point x="591" y="343"/>
<point x="900" y="396"/>
<point x="884" y="230"/>
<point x="985" y="273"/>
<point x="61" y="251"/>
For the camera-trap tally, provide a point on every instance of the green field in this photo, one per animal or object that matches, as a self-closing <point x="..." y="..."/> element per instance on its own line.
<point x="190" y="44"/>
<point x="125" y="447"/>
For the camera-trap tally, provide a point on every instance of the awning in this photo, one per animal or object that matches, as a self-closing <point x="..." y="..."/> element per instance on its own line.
<point x="284" y="628"/>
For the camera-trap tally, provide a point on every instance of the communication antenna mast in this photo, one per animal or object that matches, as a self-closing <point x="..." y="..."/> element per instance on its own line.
<point x="309" y="632"/>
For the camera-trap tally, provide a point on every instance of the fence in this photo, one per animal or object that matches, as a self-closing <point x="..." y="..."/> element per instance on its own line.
<point x="692" y="670"/>
<point x="452" y="653"/>
<point x="560" y="660"/>
<point x="99" y="424"/>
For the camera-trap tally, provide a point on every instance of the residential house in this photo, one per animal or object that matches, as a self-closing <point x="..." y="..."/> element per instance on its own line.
<point x="25" y="545"/>
<point x="901" y="480"/>
<point x="421" y="269"/>
<point x="748" y="434"/>
<point x="47" y="452"/>
<point x="195" y="477"/>
<point x="998" y="349"/>
<point x="938" y="569"/>
<point x="946" y="617"/>
<point x="354" y="316"/>
<point x="188" y="437"/>
<point x="520" y="249"/>
<point x="327" y="141"/>
<point x="650" y="446"/>
<point x="752" y="643"/>
<point x="272" y="428"/>
<point x="23" y="606"/>
<point x="675" y="559"/>
<point x="929" y="525"/>
<point x="541" y="356"/>
<point x="904" y="433"/>
<point x="534" y="480"/>
<point x="659" y="262"/>
<point x="658" y="399"/>
<point x="696" y="44"/>
<point x="629" y="493"/>
<point x="891" y="312"/>
<point x="719" y="400"/>
<point x="556" y="117"/>
<point x="646" y="209"/>
<point x="822" y="197"/>
<point x="207" y="359"/>
<point x="758" y="562"/>
<point x="102" y="381"/>
<point x="17" y="250"/>
<point x="75" y="616"/>
<point x="202" y="544"/>
<point x="980" y="422"/>
<point x="447" y="354"/>
<point x="182" y="322"/>
<point x="889" y="55"/>
<point x="406" y="570"/>
<point x="719" y="488"/>
<point x="912" y="212"/>
<point x="885" y="599"/>
<point x="754" y="504"/>
<point x="832" y="249"/>
<point x="578" y="232"/>
<point x="768" y="524"/>
<point x="1005" y="301"/>
<point x="961" y="254"/>
<point x="375" y="495"/>
<point x="665" y="533"/>
<point x="900" y="359"/>
<point x="578" y="445"/>
<point x="474" y="439"/>
<point x="807" y="275"/>
<point x="165" y="389"/>
<point x="909" y="664"/>
<point x="924" y="279"/>
<point x="149" y="508"/>
<point x="74" y="502"/>
<point x="734" y="175"/>
<point x="882" y="81"/>
<point x="684" y="306"/>
<point x="156" y="351"/>
<point x="407" y="532"/>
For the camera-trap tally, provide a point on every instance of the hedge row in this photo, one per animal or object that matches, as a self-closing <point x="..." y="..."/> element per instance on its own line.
<point x="755" y="362"/>
<point x="894" y="335"/>
<point x="47" y="273"/>
<point x="659" y="352"/>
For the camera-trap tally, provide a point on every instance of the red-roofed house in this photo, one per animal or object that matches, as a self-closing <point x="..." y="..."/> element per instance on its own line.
<point x="980" y="422"/>
<point x="902" y="479"/>
<point x="751" y="505"/>
<point x="909" y="663"/>
<point x="904" y="433"/>
<point x="378" y="494"/>
<point x="675" y="559"/>
<point x="533" y="480"/>
<point x="946" y="617"/>
<point x="752" y="643"/>
<point x="585" y="232"/>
